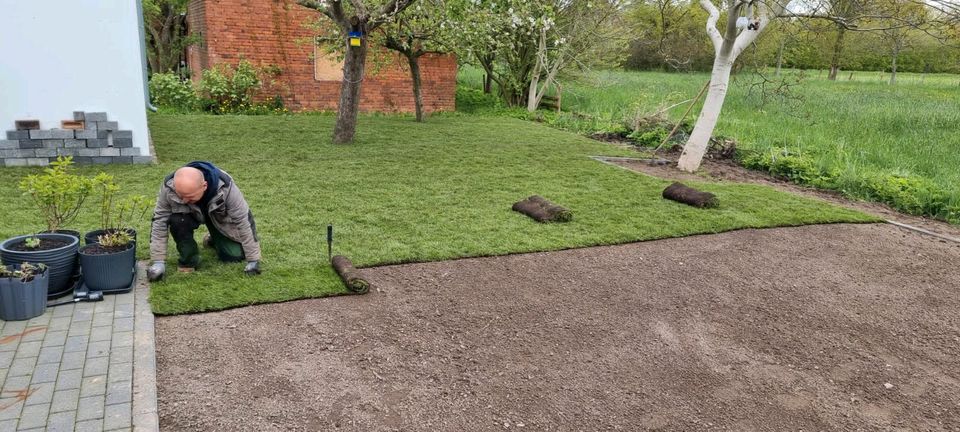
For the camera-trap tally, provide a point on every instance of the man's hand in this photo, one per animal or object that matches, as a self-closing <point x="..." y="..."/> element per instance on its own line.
<point x="156" y="270"/>
<point x="252" y="268"/>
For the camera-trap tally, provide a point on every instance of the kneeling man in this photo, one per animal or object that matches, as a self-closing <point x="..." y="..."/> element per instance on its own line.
<point x="200" y="193"/>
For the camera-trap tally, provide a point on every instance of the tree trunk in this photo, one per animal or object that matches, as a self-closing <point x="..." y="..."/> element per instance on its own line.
<point x="780" y="57"/>
<point x="835" y="59"/>
<point x="414" y="61"/>
<point x="487" y="83"/>
<point x="349" y="107"/>
<point x="893" y="65"/>
<point x="699" y="139"/>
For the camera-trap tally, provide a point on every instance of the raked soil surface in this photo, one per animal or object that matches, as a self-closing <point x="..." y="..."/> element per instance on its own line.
<point x="830" y="327"/>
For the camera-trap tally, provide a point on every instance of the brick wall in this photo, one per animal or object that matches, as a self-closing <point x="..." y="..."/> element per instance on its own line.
<point x="274" y="33"/>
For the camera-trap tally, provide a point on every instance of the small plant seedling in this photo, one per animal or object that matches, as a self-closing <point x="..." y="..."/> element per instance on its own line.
<point x="32" y="242"/>
<point x="26" y="273"/>
<point x="116" y="238"/>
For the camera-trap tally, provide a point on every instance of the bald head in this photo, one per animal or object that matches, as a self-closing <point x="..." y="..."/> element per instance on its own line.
<point x="189" y="184"/>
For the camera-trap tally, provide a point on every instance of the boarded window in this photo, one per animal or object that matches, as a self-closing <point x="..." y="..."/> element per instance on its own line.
<point x="326" y="66"/>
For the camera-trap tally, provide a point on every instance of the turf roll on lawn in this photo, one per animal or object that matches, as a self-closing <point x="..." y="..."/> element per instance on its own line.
<point x="542" y="210"/>
<point x="682" y="193"/>
<point x="350" y="275"/>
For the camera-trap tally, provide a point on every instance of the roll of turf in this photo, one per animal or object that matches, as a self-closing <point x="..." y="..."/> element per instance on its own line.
<point x="542" y="210"/>
<point x="349" y="274"/>
<point x="682" y="193"/>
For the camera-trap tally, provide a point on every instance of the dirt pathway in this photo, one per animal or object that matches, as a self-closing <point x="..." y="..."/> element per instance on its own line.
<point x="832" y="327"/>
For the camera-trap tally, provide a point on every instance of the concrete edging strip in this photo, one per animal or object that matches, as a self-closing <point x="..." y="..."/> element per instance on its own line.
<point x="145" y="416"/>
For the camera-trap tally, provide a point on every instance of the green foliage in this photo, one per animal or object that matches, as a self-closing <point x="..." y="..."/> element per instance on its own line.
<point x="168" y="90"/>
<point x="118" y="214"/>
<point x="909" y="193"/>
<point x="26" y="272"/>
<point x="116" y="238"/>
<point x="225" y="89"/>
<point x="57" y="194"/>
<point x="32" y="242"/>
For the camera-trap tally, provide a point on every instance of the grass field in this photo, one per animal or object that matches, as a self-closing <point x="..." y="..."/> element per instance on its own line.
<point x="856" y="129"/>
<point x="408" y="192"/>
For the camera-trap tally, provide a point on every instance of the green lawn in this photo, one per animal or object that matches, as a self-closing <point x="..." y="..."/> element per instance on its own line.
<point x="410" y="192"/>
<point x="858" y="130"/>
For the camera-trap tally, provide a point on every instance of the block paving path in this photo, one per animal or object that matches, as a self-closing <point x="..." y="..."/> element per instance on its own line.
<point x="87" y="366"/>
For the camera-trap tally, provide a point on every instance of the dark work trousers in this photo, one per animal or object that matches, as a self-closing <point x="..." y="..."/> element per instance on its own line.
<point x="182" y="227"/>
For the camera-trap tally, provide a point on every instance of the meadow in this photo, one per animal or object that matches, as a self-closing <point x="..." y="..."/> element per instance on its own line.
<point x="897" y="144"/>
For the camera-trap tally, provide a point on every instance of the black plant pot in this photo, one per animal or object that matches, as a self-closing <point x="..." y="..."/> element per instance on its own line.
<point x="91" y="237"/>
<point x="61" y="262"/>
<point x="23" y="300"/>
<point x="110" y="272"/>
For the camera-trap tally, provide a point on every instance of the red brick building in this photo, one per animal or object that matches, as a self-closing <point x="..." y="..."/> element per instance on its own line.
<point x="275" y="34"/>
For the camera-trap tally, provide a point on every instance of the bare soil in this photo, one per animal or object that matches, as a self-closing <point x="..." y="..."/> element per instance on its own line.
<point x="829" y="327"/>
<point x="45" y="245"/>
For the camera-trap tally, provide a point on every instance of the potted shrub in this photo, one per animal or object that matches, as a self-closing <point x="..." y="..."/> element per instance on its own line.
<point x="114" y="214"/>
<point x="58" y="252"/>
<point x="58" y="195"/>
<point x="109" y="262"/>
<point x="23" y="291"/>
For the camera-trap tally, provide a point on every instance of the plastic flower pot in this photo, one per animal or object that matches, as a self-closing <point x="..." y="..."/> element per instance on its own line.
<point x="91" y="237"/>
<point x="107" y="269"/>
<point x="21" y="300"/>
<point x="57" y="251"/>
<point x="67" y="232"/>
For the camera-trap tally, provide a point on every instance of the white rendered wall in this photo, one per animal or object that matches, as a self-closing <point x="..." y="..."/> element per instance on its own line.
<point x="61" y="56"/>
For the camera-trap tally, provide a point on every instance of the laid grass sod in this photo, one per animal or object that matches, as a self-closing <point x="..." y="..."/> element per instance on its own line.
<point x="407" y="192"/>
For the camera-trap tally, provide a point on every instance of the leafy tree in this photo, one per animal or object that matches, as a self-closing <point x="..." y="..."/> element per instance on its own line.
<point x="421" y="30"/>
<point x="360" y="17"/>
<point x="165" y="22"/>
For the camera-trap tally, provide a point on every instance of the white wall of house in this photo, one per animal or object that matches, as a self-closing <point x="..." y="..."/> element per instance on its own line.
<point x="61" y="56"/>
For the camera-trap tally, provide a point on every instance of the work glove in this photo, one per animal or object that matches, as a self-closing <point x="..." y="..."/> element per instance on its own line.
<point x="156" y="270"/>
<point x="252" y="268"/>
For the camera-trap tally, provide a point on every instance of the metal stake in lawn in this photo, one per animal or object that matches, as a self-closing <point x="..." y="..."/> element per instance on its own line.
<point x="670" y="135"/>
<point x="329" y="242"/>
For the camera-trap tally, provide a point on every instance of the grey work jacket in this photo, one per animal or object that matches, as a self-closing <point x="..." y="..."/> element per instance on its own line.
<point x="228" y="210"/>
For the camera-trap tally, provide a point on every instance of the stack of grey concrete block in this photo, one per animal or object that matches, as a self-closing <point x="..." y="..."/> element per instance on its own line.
<point x="99" y="142"/>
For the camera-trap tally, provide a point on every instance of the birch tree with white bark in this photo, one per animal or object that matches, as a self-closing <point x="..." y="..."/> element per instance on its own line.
<point x="746" y="20"/>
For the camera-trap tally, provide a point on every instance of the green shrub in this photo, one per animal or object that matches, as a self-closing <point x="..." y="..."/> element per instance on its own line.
<point x="58" y="194"/>
<point x="225" y="89"/>
<point x="167" y="90"/>
<point x="471" y="100"/>
<point x="649" y="137"/>
<point x="908" y="193"/>
<point x="795" y="167"/>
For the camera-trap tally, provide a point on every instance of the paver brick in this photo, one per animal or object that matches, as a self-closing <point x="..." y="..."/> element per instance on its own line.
<point x="6" y="359"/>
<point x="38" y="162"/>
<point x="109" y="151"/>
<point x="42" y="394"/>
<point x="73" y="360"/>
<point x="76" y="343"/>
<point x="120" y="372"/>
<point x="22" y="367"/>
<point x="96" y="366"/>
<point x="69" y="380"/>
<point x="121" y="355"/>
<point x="117" y="416"/>
<point x="18" y="135"/>
<point x="88" y="152"/>
<point x="61" y="422"/>
<point x="123" y="324"/>
<point x="101" y="333"/>
<point x="102" y="160"/>
<point x="46" y="152"/>
<point x="34" y="416"/>
<point x="54" y="338"/>
<point x="78" y="116"/>
<point x="89" y="426"/>
<point x="28" y="349"/>
<point x="16" y="383"/>
<point x="119" y="392"/>
<point x="9" y="144"/>
<point x="52" y="143"/>
<point x="13" y="162"/>
<point x="130" y="151"/>
<point x="95" y="116"/>
<point x="31" y="144"/>
<point x="98" y="349"/>
<point x="143" y="160"/>
<point x="45" y="373"/>
<point x="90" y="408"/>
<point x="107" y="125"/>
<point x="93" y="386"/>
<point x="18" y="153"/>
<point x="122" y="339"/>
<point x="51" y="354"/>
<point x="65" y="400"/>
<point x="123" y="142"/>
<point x="80" y="142"/>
